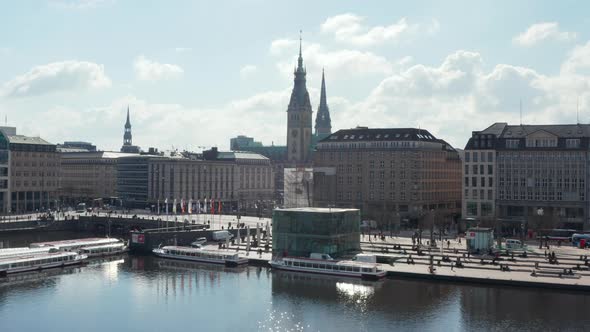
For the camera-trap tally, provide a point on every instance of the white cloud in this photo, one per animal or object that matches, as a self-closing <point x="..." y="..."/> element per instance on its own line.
<point x="539" y="32"/>
<point x="578" y="60"/>
<point x="450" y="100"/>
<point x="149" y="70"/>
<point x="247" y="71"/>
<point x="277" y="47"/>
<point x="57" y="76"/>
<point x="261" y="115"/>
<point x="349" y="28"/>
<point x="460" y="96"/>
<point x="340" y="62"/>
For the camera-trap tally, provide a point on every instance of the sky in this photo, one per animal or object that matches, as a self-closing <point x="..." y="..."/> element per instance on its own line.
<point x="196" y="73"/>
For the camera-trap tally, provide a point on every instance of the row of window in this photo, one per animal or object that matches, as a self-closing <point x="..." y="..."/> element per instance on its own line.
<point x="33" y="183"/>
<point x="364" y="145"/>
<point x="570" y="143"/>
<point x="553" y="183"/>
<point x="37" y="262"/>
<point x="482" y="181"/>
<point x="475" y="169"/>
<point x="479" y="194"/>
<point x="333" y="267"/>
<point x="485" y="209"/>
<point x="33" y="164"/>
<point x="398" y="155"/>
<point x="402" y="196"/>
<point x="479" y="156"/>
<point x="556" y="156"/>
<point x="541" y="195"/>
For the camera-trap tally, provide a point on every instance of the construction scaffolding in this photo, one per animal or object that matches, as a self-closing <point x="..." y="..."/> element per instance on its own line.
<point x="298" y="190"/>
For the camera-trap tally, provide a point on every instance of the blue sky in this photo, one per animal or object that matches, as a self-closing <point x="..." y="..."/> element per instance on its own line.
<point x="197" y="73"/>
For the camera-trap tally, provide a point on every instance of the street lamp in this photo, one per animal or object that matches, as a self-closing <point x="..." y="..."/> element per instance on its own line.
<point x="432" y="227"/>
<point x="540" y="214"/>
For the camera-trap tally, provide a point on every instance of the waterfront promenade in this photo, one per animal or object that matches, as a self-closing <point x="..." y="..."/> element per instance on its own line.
<point x="517" y="270"/>
<point x="508" y="270"/>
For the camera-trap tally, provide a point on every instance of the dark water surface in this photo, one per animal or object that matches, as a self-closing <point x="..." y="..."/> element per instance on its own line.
<point x="144" y="293"/>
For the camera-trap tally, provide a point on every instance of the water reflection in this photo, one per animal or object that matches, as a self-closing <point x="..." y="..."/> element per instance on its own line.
<point x="524" y="309"/>
<point x="35" y="279"/>
<point x="401" y="296"/>
<point x="146" y="293"/>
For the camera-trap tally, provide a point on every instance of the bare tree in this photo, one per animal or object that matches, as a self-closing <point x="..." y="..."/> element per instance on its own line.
<point x="540" y="222"/>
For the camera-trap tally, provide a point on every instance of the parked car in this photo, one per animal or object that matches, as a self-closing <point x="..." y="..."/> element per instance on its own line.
<point x="221" y="235"/>
<point x="513" y="244"/>
<point x="198" y="243"/>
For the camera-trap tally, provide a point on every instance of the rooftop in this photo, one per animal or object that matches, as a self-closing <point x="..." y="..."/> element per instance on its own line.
<point x="240" y="155"/>
<point x="76" y="153"/>
<point x="503" y="130"/>
<point x="381" y="134"/>
<point x="20" y="139"/>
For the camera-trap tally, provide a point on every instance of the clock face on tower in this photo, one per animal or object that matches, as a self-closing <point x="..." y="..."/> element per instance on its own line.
<point x="294" y="133"/>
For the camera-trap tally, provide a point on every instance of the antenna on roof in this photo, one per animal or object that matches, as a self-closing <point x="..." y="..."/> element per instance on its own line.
<point x="578" y="111"/>
<point x="520" y="107"/>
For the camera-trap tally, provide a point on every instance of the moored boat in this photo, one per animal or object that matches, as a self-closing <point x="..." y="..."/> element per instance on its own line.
<point x="200" y="255"/>
<point x="104" y="250"/>
<point x="327" y="265"/>
<point x="75" y="244"/>
<point x="39" y="261"/>
<point x="11" y="252"/>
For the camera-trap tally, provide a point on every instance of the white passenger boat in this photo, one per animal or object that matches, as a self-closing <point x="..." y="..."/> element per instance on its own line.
<point x="10" y="252"/>
<point x="324" y="264"/>
<point x="104" y="250"/>
<point x="76" y="244"/>
<point x="38" y="261"/>
<point x="200" y="255"/>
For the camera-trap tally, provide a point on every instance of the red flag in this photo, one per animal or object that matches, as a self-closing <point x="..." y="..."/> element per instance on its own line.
<point x="212" y="206"/>
<point x="219" y="210"/>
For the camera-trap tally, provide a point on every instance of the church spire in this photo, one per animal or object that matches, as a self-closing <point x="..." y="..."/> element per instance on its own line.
<point x="299" y="116"/>
<point x="128" y="123"/>
<point x="323" y="102"/>
<point x="300" y="59"/>
<point x="128" y="146"/>
<point x="323" y="123"/>
<point x="127" y="139"/>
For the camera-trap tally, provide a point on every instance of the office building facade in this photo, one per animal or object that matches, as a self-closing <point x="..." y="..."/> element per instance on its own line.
<point x="534" y="176"/>
<point x="394" y="176"/>
<point x="29" y="173"/>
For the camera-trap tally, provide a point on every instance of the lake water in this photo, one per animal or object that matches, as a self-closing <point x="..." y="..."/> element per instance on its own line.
<point x="144" y="293"/>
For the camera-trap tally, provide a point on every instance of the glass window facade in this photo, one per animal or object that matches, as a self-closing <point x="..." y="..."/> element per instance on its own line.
<point x="302" y="231"/>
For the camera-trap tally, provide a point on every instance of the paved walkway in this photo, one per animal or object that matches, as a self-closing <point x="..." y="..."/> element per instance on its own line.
<point x="520" y="267"/>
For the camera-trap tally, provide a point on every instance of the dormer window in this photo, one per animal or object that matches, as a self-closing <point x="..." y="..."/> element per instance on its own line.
<point x="572" y="143"/>
<point x="512" y="144"/>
